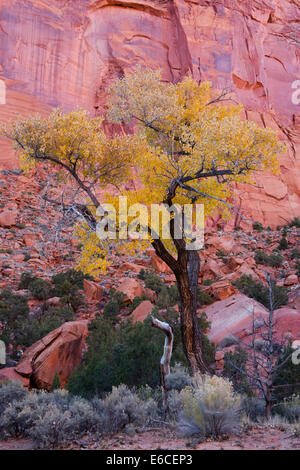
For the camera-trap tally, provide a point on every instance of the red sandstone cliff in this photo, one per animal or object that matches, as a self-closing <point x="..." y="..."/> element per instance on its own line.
<point x="64" y="52"/>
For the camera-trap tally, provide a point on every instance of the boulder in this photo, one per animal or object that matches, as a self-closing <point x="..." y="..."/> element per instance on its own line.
<point x="8" y="218"/>
<point x="131" y="267"/>
<point x="222" y="289"/>
<point x="212" y="269"/>
<point x="29" y="239"/>
<point x="142" y="311"/>
<point x="93" y="291"/>
<point x="158" y="264"/>
<point x="9" y="373"/>
<point x="225" y="243"/>
<point x="219" y="355"/>
<point x="150" y="294"/>
<point x="234" y="316"/>
<point x="291" y="280"/>
<point x="59" y="352"/>
<point x="131" y="288"/>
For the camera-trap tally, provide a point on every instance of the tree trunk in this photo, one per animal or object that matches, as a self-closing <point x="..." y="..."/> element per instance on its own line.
<point x="187" y="281"/>
<point x="268" y="409"/>
<point x="186" y="269"/>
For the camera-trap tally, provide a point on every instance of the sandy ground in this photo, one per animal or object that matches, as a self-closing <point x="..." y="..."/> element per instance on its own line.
<point x="258" y="438"/>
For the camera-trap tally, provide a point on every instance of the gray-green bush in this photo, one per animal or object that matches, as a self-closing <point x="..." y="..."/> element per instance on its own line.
<point x="210" y="408"/>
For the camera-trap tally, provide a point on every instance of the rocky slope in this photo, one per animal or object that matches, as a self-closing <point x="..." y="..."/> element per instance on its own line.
<point x="55" y="53"/>
<point x="27" y="244"/>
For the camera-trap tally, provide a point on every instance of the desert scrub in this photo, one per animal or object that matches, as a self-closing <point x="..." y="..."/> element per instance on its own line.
<point x="9" y="392"/>
<point x="290" y="409"/>
<point x="178" y="379"/>
<point x="211" y="408"/>
<point x="254" y="408"/>
<point x="52" y="430"/>
<point x="123" y="407"/>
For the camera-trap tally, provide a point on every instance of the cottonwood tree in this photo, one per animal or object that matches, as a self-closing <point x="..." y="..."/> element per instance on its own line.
<point x="190" y="145"/>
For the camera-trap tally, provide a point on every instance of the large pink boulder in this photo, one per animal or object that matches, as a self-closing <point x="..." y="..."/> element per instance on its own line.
<point x="234" y="316"/>
<point x="131" y="288"/>
<point x="58" y="352"/>
<point x="142" y="311"/>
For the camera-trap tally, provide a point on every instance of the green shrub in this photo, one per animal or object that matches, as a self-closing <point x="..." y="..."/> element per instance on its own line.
<point x="20" y="328"/>
<point x="259" y="292"/>
<point x="13" y="312"/>
<point x="210" y="408"/>
<point x="129" y="353"/>
<point x="40" y="289"/>
<point x="287" y="377"/>
<point x="66" y="286"/>
<point x="235" y="370"/>
<point x="295" y="222"/>
<point x="26" y="279"/>
<point x="32" y="329"/>
<point x="56" y="383"/>
<point x="111" y="311"/>
<point x="275" y="259"/>
<point x="257" y="226"/>
<point x="204" y="298"/>
<point x="74" y="277"/>
<point x="168" y="296"/>
<point x="152" y="281"/>
<point x="283" y="244"/>
<point x="295" y="254"/>
<point x="261" y="257"/>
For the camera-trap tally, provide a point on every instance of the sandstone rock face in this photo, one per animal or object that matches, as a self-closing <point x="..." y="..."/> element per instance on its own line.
<point x="234" y="316"/>
<point x="58" y="352"/>
<point x="67" y="54"/>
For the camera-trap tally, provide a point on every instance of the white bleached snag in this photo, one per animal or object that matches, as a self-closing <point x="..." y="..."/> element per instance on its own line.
<point x="168" y="348"/>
